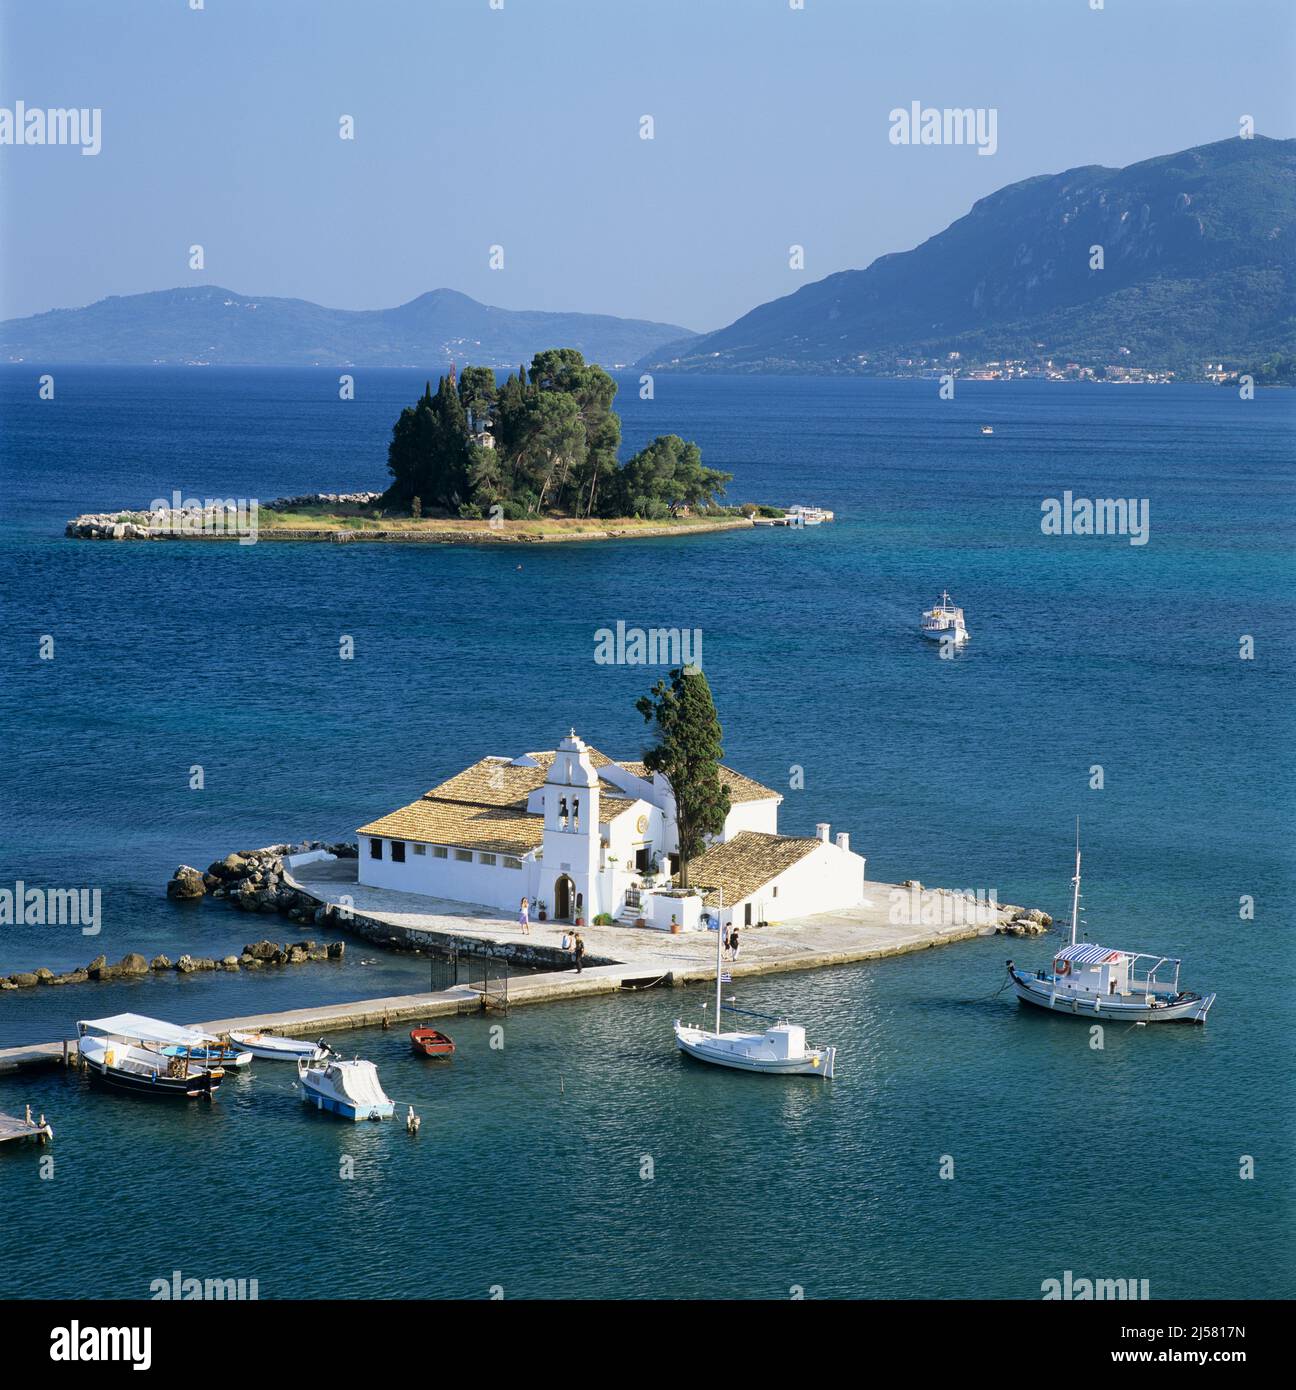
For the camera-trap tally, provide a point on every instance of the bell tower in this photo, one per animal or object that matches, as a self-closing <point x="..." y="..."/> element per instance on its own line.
<point x="571" y="833"/>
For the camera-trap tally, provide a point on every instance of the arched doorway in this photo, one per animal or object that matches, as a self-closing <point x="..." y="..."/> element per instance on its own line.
<point x="563" y="887"/>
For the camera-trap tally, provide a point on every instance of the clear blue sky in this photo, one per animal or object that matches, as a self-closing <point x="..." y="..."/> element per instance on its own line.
<point x="520" y="127"/>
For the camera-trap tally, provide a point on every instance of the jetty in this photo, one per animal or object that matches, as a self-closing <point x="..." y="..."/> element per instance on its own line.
<point x="12" y="1127"/>
<point x="890" y="920"/>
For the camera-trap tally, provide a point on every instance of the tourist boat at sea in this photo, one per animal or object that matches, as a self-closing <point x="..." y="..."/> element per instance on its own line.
<point x="267" y="1046"/>
<point x="801" y="515"/>
<point x="428" y="1042"/>
<point x="944" y="621"/>
<point x="987" y="429"/>
<point x="350" y="1089"/>
<point x="780" y="1050"/>
<point x="212" y="1055"/>
<point x="126" y="1051"/>
<point x="1098" y="982"/>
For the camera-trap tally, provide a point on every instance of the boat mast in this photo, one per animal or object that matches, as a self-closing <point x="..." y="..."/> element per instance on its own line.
<point x="1075" y="897"/>
<point x="720" y="932"/>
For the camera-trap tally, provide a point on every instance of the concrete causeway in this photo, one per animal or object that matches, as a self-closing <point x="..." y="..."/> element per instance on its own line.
<point x="619" y="957"/>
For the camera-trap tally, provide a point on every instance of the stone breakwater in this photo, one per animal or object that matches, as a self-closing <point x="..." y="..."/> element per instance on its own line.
<point x="253" y="880"/>
<point x="323" y="499"/>
<point x="132" y="965"/>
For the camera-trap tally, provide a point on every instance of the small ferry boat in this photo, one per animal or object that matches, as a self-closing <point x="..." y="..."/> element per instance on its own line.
<point x="350" y="1090"/>
<point x="800" y="515"/>
<point x="267" y="1046"/>
<point x="126" y="1051"/>
<point x="945" y="621"/>
<point x="1098" y="982"/>
<point x="987" y="429"/>
<point x="428" y="1042"/>
<point x="778" y="1051"/>
<point x="211" y="1054"/>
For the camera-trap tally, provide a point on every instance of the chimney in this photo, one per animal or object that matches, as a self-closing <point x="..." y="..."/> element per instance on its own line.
<point x="821" y="830"/>
<point x="843" y="840"/>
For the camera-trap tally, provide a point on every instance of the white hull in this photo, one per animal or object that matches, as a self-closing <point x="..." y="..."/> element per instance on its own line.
<point x="276" y="1049"/>
<point x="940" y="634"/>
<point x="349" y="1090"/>
<point x="1045" y="994"/>
<point x="752" y="1052"/>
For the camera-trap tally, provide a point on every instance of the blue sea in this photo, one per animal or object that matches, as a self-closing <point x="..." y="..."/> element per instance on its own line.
<point x="584" y="1157"/>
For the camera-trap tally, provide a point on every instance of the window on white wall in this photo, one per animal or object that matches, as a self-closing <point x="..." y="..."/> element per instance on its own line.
<point x="420" y="849"/>
<point x="438" y="852"/>
<point x="510" y="862"/>
<point x="486" y="858"/>
<point x="398" y="851"/>
<point x="375" y="849"/>
<point x="464" y="856"/>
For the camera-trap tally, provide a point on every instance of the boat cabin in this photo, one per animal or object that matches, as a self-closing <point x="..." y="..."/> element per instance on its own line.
<point x="1093" y="969"/>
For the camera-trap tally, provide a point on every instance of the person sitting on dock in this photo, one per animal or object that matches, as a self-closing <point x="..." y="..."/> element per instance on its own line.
<point x="566" y="941"/>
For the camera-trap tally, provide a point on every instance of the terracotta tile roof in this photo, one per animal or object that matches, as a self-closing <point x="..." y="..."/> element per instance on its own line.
<point x="495" y="829"/>
<point x="610" y="807"/>
<point x="744" y="788"/>
<point x="745" y="864"/>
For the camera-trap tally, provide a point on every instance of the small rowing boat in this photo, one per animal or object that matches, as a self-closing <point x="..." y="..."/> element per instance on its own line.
<point x="430" y="1043"/>
<point x="211" y="1055"/>
<point x="273" y="1049"/>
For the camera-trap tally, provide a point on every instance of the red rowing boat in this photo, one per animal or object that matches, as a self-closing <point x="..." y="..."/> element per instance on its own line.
<point x="431" y="1043"/>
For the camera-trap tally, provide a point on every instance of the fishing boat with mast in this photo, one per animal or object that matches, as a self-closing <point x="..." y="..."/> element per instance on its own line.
<point x="780" y="1050"/>
<point x="1090" y="981"/>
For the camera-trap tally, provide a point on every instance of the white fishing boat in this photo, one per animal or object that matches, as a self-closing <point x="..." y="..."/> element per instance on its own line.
<point x="801" y="515"/>
<point x="987" y="429"/>
<point x="780" y="1050"/>
<point x="270" y="1048"/>
<point x="350" y="1089"/>
<point x="945" y="621"/>
<point x="127" y="1051"/>
<point x="1099" y="982"/>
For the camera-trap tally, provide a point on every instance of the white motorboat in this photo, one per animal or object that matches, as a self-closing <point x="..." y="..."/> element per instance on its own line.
<point x="801" y="515"/>
<point x="987" y="429"/>
<point x="127" y="1051"/>
<point x="350" y="1089"/>
<point x="944" y="622"/>
<point x="780" y="1050"/>
<point x="1099" y="983"/>
<point x="270" y="1048"/>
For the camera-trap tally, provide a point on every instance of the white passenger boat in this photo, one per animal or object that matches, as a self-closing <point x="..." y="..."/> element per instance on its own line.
<point x="1098" y="982"/>
<point x="127" y="1051"/>
<point x="801" y="515"/>
<point x="350" y="1089"/>
<point x="944" y="621"/>
<point x="780" y="1050"/>
<point x="273" y="1049"/>
<point x="987" y="429"/>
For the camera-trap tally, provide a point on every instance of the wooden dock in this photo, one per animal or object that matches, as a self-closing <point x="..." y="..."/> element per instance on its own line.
<point x="12" y="1127"/>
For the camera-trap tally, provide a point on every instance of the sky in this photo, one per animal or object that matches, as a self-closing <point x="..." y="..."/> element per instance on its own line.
<point x="517" y="124"/>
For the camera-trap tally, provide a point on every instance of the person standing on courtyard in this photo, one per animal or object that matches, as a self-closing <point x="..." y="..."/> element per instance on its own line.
<point x="524" y="918"/>
<point x="578" y="949"/>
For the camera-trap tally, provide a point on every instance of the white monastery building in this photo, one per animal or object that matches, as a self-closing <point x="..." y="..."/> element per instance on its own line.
<point x="582" y="836"/>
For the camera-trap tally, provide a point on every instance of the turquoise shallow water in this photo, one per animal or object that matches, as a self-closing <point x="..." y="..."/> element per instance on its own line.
<point x="527" y="1173"/>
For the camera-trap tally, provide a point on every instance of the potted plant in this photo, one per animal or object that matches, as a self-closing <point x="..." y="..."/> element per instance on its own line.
<point x="674" y="926"/>
<point x="640" y="922"/>
<point x="580" y="921"/>
<point x="541" y="911"/>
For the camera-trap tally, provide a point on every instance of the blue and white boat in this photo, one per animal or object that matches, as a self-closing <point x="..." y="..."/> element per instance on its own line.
<point x="211" y="1055"/>
<point x="1096" y="982"/>
<point x="348" y="1089"/>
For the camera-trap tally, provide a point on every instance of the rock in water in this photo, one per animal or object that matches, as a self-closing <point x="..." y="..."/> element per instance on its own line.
<point x="186" y="883"/>
<point x="133" y="964"/>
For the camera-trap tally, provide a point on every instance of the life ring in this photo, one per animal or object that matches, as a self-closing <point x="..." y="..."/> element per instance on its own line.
<point x="1062" y="967"/>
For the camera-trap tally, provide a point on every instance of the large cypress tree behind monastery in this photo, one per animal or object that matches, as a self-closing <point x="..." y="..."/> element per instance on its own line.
<point x="688" y="752"/>
<point x="544" y="443"/>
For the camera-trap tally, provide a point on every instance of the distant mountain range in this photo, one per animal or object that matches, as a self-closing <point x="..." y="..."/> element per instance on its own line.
<point x="207" y="324"/>
<point x="1199" y="263"/>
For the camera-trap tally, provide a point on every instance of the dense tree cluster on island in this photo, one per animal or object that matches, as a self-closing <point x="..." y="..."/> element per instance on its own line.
<point x="541" y="443"/>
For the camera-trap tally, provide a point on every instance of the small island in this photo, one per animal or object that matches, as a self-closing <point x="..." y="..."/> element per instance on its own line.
<point x="534" y="458"/>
